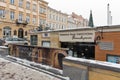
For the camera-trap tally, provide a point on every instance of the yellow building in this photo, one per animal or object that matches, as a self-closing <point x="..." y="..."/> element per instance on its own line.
<point x="18" y="17"/>
<point x="56" y="19"/>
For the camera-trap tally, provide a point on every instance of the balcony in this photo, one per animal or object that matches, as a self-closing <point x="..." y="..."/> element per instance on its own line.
<point x="24" y="22"/>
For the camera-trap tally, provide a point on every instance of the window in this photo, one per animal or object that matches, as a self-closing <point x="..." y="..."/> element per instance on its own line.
<point x="15" y="32"/>
<point x="20" y="17"/>
<point x="28" y="5"/>
<point x="49" y="16"/>
<point x="7" y="31"/>
<point x="12" y="2"/>
<point x="56" y="18"/>
<point x="25" y="33"/>
<point x="12" y="15"/>
<point x="34" y="20"/>
<point x="33" y="39"/>
<point x="42" y="10"/>
<point x="28" y="18"/>
<point x="34" y="7"/>
<point x="20" y="3"/>
<point x="42" y="21"/>
<point x="2" y="13"/>
<point x="46" y="43"/>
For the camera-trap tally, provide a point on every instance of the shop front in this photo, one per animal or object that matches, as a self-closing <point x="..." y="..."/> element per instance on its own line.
<point x="80" y="43"/>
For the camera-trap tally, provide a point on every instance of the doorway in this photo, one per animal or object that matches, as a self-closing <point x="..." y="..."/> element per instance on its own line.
<point x="20" y="33"/>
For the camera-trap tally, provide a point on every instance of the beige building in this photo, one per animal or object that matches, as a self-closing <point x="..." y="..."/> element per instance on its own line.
<point x="79" y="20"/>
<point x="79" y="41"/>
<point x="56" y="19"/>
<point x="18" y="17"/>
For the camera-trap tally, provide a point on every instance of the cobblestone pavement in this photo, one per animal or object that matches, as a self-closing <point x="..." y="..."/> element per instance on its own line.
<point x="14" y="71"/>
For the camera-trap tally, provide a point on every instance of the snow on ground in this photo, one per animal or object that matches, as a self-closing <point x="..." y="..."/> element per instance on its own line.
<point x="14" y="71"/>
<point x="28" y="63"/>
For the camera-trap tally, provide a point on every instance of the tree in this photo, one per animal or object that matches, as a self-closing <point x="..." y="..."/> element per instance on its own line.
<point x="91" y="24"/>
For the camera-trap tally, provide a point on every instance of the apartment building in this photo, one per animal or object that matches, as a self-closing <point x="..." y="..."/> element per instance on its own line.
<point x="76" y="21"/>
<point x="71" y="22"/>
<point x="56" y="19"/>
<point x="18" y="17"/>
<point x="79" y="20"/>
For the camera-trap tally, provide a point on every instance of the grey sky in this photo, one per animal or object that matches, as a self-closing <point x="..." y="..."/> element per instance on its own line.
<point x="83" y="7"/>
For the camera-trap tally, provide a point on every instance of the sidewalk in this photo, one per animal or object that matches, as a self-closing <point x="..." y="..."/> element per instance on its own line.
<point x="13" y="71"/>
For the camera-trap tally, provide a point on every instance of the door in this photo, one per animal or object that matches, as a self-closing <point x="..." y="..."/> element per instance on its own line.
<point x="20" y="33"/>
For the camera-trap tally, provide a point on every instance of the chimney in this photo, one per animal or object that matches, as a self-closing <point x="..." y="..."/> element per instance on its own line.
<point x="109" y="17"/>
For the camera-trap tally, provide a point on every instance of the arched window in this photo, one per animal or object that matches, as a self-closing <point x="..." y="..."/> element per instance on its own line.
<point x="25" y="33"/>
<point x="7" y="31"/>
<point x="15" y="32"/>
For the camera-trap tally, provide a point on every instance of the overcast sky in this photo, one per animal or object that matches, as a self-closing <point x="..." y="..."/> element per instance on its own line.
<point x="83" y="7"/>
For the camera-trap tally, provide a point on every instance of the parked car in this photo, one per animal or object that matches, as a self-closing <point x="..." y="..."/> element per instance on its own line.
<point x="10" y="40"/>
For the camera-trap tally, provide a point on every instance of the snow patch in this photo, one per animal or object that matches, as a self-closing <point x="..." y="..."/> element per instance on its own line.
<point x="13" y="71"/>
<point x="109" y="64"/>
<point x="28" y="63"/>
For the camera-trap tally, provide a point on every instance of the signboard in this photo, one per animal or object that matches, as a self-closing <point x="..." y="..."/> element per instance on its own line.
<point x="113" y="59"/>
<point x="77" y="36"/>
<point x="106" y="46"/>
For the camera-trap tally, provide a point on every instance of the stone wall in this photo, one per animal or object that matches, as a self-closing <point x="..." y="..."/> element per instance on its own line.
<point x="83" y="69"/>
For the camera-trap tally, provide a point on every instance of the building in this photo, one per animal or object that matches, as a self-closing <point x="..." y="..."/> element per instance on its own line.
<point x="18" y="17"/>
<point x="79" y="20"/>
<point x="76" y="21"/>
<point x="71" y="22"/>
<point x="108" y="44"/>
<point x="56" y="19"/>
<point x="79" y="41"/>
<point x="99" y="43"/>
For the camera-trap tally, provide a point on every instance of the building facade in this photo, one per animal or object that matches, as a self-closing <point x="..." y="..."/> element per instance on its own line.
<point x="56" y="19"/>
<point x="79" y="41"/>
<point x="18" y="17"/>
<point x="71" y="22"/>
<point x="76" y="21"/>
<point x="79" y="20"/>
<point x="108" y="44"/>
<point x="99" y="43"/>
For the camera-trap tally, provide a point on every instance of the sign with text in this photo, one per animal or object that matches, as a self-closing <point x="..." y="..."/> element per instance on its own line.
<point x="77" y="36"/>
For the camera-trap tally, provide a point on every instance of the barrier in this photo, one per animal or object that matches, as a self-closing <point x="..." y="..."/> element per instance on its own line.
<point x="83" y="69"/>
<point x="44" y="55"/>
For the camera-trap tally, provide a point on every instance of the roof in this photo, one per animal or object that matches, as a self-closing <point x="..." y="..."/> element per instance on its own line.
<point x="63" y="30"/>
<point x="81" y="29"/>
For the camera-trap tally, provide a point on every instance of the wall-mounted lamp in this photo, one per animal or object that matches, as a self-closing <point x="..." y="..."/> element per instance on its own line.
<point x="99" y="36"/>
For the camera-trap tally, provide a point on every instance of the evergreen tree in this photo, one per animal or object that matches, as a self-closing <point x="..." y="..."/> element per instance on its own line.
<point x="91" y="24"/>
